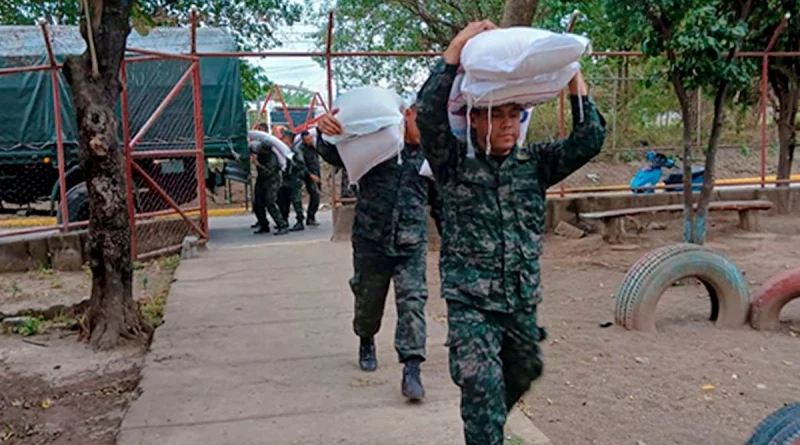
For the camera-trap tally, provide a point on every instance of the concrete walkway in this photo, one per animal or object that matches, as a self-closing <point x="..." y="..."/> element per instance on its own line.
<point x="257" y="348"/>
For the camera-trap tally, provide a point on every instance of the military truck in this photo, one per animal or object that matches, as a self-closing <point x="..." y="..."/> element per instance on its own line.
<point x="29" y="170"/>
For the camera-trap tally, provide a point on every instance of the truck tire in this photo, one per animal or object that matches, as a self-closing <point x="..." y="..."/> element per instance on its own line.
<point x="654" y="273"/>
<point x="771" y="298"/>
<point x="779" y="428"/>
<point x="77" y="204"/>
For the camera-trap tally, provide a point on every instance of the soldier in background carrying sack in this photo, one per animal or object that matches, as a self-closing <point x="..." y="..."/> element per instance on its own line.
<point x="493" y="222"/>
<point x="389" y="239"/>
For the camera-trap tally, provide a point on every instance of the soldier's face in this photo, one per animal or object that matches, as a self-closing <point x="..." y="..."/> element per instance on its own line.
<point x="505" y="127"/>
<point x="308" y="139"/>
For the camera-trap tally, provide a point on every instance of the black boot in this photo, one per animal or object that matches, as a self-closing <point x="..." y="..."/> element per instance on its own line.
<point x="262" y="230"/>
<point x="412" y="382"/>
<point x="297" y="227"/>
<point x="311" y="221"/>
<point x="282" y="231"/>
<point x="366" y="355"/>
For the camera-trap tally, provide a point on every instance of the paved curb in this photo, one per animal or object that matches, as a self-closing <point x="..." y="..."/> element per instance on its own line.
<point x="48" y="221"/>
<point x="521" y="426"/>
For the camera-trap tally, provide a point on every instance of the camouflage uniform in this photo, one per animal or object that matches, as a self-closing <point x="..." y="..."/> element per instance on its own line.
<point x="312" y="162"/>
<point x="389" y="239"/>
<point x="266" y="190"/>
<point x="493" y="220"/>
<point x="293" y="183"/>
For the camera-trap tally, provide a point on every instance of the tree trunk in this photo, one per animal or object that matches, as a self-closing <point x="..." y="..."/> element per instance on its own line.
<point x="113" y="315"/>
<point x="518" y="13"/>
<point x="688" y="200"/>
<point x="787" y="113"/>
<point x="711" y="162"/>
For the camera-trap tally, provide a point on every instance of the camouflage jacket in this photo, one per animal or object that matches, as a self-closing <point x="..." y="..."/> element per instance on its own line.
<point x="268" y="167"/>
<point x="297" y="169"/>
<point x="311" y="157"/>
<point x="493" y="215"/>
<point x="392" y="200"/>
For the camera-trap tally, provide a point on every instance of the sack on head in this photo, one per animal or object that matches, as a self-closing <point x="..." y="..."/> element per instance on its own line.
<point x="520" y="53"/>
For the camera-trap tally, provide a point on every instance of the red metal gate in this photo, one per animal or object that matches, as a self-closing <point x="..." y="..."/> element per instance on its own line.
<point x="165" y="157"/>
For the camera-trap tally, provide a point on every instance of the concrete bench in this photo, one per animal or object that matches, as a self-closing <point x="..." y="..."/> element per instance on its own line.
<point x="614" y="220"/>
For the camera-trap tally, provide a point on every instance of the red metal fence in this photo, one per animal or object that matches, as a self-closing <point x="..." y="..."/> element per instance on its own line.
<point x="164" y="158"/>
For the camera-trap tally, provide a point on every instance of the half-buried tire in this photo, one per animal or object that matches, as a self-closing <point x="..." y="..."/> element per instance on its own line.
<point x="654" y="273"/>
<point x="779" y="428"/>
<point x="772" y="297"/>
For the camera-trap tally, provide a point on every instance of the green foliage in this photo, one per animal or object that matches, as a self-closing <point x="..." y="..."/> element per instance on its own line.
<point x="395" y="25"/>
<point x="700" y="34"/>
<point x="31" y="326"/>
<point x="628" y="156"/>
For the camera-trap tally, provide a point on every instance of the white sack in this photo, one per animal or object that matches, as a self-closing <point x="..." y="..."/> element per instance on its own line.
<point x="425" y="170"/>
<point x="366" y="110"/>
<point x="520" y="53"/>
<point x="278" y="147"/>
<point x="361" y="154"/>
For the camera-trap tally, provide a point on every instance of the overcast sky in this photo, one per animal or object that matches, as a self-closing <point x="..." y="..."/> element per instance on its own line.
<point x="295" y="71"/>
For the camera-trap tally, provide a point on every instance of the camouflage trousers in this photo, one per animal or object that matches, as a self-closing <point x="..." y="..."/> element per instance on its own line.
<point x="265" y="196"/>
<point x="494" y="358"/>
<point x="370" y="284"/>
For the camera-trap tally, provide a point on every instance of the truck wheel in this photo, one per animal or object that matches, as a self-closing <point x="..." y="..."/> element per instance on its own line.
<point x="779" y="428"/>
<point x="77" y="204"/>
<point x="654" y="273"/>
<point x="772" y="297"/>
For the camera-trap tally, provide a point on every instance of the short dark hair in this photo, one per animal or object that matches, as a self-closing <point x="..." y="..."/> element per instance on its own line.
<point x="304" y="133"/>
<point x="262" y="126"/>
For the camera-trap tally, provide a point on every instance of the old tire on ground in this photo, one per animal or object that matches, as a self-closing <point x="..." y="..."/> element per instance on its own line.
<point x="773" y="295"/>
<point x="779" y="428"/>
<point x="655" y="272"/>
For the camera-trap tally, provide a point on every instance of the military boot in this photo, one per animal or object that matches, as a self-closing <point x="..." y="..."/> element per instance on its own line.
<point x="297" y="227"/>
<point x="282" y="230"/>
<point x="366" y="355"/>
<point x="311" y="221"/>
<point x="412" y="382"/>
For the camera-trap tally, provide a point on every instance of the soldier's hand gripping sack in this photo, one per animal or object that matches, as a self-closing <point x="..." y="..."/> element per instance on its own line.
<point x="373" y="129"/>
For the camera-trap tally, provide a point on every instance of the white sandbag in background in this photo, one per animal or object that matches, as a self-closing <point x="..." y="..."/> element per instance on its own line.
<point x="361" y="154"/>
<point x="278" y="147"/>
<point x="366" y="110"/>
<point x="372" y="129"/>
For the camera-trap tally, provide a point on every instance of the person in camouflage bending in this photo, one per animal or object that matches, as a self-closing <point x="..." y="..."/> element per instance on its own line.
<point x="293" y="181"/>
<point x="265" y="192"/>
<point x="389" y="239"/>
<point x="493" y="221"/>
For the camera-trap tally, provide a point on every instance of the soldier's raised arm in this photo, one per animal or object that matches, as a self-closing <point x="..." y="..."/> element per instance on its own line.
<point x="330" y="126"/>
<point x="559" y="159"/>
<point x="438" y="142"/>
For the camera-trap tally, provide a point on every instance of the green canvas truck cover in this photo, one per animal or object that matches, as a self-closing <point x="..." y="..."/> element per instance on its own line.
<point x="27" y="114"/>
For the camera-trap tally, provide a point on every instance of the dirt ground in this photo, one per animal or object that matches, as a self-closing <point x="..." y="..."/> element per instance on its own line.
<point x="610" y="386"/>
<point x="38" y="290"/>
<point x="53" y="388"/>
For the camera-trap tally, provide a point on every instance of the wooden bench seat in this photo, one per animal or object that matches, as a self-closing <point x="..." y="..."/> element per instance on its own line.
<point x="614" y="220"/>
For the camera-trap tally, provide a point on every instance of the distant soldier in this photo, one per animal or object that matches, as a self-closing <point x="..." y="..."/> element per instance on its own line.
<point x="312" y="180"/>
<point x="291" y="194"/>
<point x="493" y="218"/>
